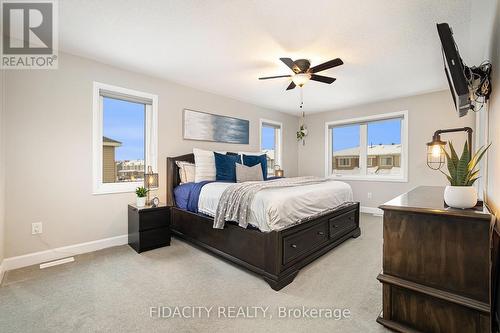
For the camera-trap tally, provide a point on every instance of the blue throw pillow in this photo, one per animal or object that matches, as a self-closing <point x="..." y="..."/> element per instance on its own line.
<point x="225" y="167"/>
<point x="251" y="160"/>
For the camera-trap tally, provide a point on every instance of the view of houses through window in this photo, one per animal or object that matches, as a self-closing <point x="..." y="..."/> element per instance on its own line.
<point x="123" y="141"/>
<point x="271" y="144"/>
<point x="369" y="148"/>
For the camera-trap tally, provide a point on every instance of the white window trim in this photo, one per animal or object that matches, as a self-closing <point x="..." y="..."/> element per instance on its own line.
<point x="279" y="143"/>
<point x="151" y="140"/>
<point x="362" y="160"/>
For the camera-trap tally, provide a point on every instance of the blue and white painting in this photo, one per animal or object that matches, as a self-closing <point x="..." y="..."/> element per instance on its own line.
<point x="211" y="127"/>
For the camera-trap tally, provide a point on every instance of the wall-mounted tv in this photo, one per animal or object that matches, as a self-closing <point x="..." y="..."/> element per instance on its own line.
<point x="454" y="69"/>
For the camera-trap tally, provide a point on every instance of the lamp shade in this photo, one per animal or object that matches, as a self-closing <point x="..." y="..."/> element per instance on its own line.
<point x="435" y="153"/>
<point x="278" y="172"/>
<point x="150" y="179"/>
<point x="301" y="79"/>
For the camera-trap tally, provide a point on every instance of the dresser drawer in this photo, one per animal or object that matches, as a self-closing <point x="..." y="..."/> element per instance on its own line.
<point x="302" y="242"/>
<point x="342" y="224"/>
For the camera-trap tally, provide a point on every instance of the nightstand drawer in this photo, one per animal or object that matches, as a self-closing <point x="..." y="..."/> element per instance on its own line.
<point x="152" y="239"/>
<point x="154" y="219"/>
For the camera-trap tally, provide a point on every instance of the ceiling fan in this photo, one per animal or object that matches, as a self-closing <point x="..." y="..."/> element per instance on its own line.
<point x="303" y="72"/>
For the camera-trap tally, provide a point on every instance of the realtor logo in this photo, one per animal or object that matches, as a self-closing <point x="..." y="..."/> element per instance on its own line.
<point x="29" y="34"/>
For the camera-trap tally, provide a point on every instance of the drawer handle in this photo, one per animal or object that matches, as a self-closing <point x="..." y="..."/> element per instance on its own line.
<point x="294" y="246"/>
<point x="335" y="226"/>
<point x="351" y="218"/>
<point x="321" y="233"/>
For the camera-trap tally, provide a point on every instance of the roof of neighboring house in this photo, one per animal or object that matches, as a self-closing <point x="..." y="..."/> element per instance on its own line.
<point x="371" y="150"/>
<point x="132" y="162"/>
<point x="110" y="142"/>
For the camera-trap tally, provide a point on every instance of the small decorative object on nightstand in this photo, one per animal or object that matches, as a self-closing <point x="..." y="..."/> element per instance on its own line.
<point x="140" y="200"/>
<point x="148" y="227"/>
<point x="278" y="172"/>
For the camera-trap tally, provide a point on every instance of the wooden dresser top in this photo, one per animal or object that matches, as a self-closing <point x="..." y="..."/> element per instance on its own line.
<point x="430" y="200"/>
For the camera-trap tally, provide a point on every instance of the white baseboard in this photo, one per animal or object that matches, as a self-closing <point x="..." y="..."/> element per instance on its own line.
<point x="371" y="210"/>
<point x="62" y="252"/>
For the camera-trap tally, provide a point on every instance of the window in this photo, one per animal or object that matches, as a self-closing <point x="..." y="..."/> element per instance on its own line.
<point x="124" y="138"/>
<point x="345" y="149"/>
<point x="344" y="161"/>
<point x="370" y="148"/>
<point x="271" y="143"/>
<point x="386" y="162"/>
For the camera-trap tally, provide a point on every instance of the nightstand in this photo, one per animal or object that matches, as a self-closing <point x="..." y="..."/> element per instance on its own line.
<point x="148" y="227"/>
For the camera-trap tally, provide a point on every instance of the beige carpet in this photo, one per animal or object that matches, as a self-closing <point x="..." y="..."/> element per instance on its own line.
<point x="112" y="291"/>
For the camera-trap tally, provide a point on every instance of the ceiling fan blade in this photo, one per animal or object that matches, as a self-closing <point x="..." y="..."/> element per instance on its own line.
<point x="327" y="65"/>
<point x="324" y="79"/>
<point x="291" y="86"/>
<point x="273" y="77"/>
<point x="291" y="64"/>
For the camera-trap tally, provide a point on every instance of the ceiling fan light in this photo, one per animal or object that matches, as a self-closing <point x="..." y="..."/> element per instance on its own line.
<point x="301" y="79"/>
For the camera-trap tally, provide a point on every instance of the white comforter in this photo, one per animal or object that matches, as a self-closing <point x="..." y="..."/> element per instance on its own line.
<point x="278" y="208"/>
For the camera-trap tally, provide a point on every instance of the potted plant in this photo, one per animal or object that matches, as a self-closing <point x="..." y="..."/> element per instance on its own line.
<point x="141" y="193"/>
<point x="462" y="175"/>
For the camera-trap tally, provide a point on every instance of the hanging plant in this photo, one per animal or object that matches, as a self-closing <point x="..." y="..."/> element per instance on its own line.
<point x="302" y="133"/>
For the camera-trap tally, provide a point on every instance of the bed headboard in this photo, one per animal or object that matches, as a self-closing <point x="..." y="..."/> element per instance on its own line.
<point x="173" y="178"/>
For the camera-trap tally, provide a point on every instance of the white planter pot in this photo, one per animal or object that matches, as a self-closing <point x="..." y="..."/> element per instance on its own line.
<point x="460" y="196"/>
<point x="141" y="202"/>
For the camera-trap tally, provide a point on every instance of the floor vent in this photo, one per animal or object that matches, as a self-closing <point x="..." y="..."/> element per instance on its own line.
<point x="56" y="262"/>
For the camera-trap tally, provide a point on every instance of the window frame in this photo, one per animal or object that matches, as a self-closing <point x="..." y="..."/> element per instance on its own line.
<point x="363" y="156"/>
<point x="150" y="139"/>
<point x="278" y="153"/>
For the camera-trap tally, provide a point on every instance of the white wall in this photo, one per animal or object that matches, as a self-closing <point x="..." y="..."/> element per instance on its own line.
<point x="493" y="184"/>
<point x="426" y="113"/>
<point x="49" y="131"/>
<point x="2" y="167"/>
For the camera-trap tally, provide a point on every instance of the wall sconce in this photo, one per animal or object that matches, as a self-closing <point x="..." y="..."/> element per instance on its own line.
<point x="435" y="153"/>
<point x="150" y="181"/>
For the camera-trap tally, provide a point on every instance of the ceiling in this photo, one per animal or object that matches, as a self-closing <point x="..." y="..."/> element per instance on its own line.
<point x="390" y="48"/>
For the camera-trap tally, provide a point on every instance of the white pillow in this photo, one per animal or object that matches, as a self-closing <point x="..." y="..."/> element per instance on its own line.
<point x="204" y="164"/>
<point x="186" y="171"/>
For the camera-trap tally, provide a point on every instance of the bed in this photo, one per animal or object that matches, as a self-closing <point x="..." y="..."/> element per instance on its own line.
<point x="276" y="255"/>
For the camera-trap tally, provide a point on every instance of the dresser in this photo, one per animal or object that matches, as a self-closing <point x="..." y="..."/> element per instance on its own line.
<point x="439" y="265"/>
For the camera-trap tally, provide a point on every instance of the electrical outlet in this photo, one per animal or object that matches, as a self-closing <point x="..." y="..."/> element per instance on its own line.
<point x="369" y="195"/>
<point x="36" y="228"/>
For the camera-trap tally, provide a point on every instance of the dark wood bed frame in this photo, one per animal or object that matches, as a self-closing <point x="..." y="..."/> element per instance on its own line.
<point x="277" y="256"/>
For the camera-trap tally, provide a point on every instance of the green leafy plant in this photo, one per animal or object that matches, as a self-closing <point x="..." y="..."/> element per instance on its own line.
<point x="141" y="192"/>
<point x="462" y="171"/>
<point x="301" y="133"/>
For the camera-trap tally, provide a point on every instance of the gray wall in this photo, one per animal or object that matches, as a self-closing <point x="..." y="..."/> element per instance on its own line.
<point x="49" y="151"/>
<point x="426" y="113"/>
<point x="494" y="120"/>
